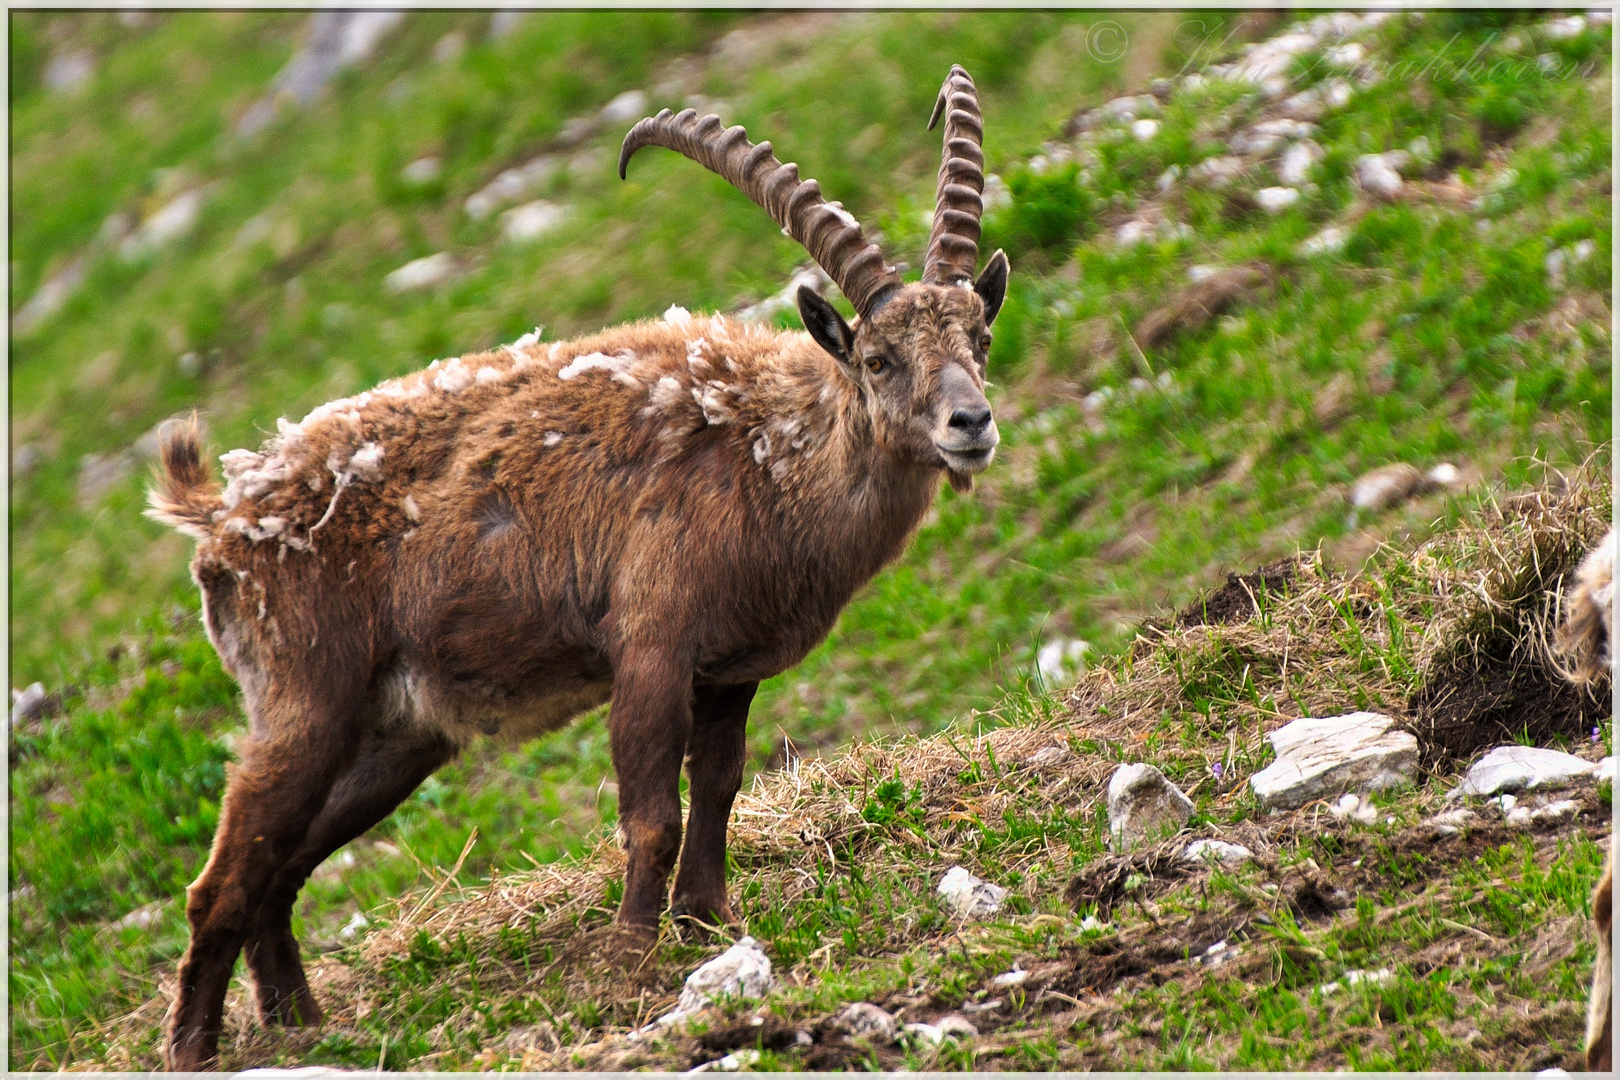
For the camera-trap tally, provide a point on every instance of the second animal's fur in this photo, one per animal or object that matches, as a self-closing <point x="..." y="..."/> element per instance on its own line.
<point x="661" y="515"/>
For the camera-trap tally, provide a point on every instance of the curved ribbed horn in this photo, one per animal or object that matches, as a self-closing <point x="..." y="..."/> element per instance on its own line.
<point x="826" y="230"/>
<point x="953" y="246"/>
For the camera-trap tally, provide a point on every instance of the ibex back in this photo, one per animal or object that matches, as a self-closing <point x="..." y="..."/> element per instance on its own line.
<point x="659" y="516"/>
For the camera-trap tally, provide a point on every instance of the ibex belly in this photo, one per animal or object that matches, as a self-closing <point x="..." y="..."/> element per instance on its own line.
<point x="464" y="710"/>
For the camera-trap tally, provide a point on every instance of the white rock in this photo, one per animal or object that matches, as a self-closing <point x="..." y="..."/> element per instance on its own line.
<point x="142" y="917"/>
<point x="627" y="107"/>
<point x="1201" y="272"/>
<point x="997" y="195"/>
<point x="532" y="220"/>
<point x="1298" y="161"/>
<point x="1384" y="487"/>
<point x="1091" y="924"/>
<point x="1451" y="822"/>
<point x="968" y="896"/>
<point x="1346" y="56"/>
<point x="1274" y="200"/>
<point x="356" y="923"/>
<point x="510" y="185"/>
<point x="1061" y="661"/>
<point x="1600" y="17"/>
<point x="1214" y="852"/>
<point x="100" y="474"/>
<point x="1605" y="773"/>
<point x="1523" y="768"/>
<point x="49" y="298"/>
<point x="1016" y="977"/>
<point x="337" y="39"/>
<point x="742" y="971"/>
<point x="1218" y="954"/>
<point x="423" y="273"/>
<point x="1329" y="240"/>
<point x="1317" y="755"/>
<point x="1168" y="178"/>
<point x="1444" y="474"/>
<point x="1351" y="807"/>
<point x="172" y="221"/>
<point x="70" y="71"/>
<point x="423" y="170"/>
<point x="505" y="21"/>
<point x="766" y="310"/>
<point x="1215" y="172"/>
<point x="956" y="1027"/>
<point x="1565" y="28"/>
<point x="735" y="1061"/>
<point x="1356" y="978"/>
<point x="1522" y="816"/>
<point x="927" y="1034"/>
<point x="1144" y="130"/>
<point x="1555" y="263"/>
<point x="864" y="1020"/>
<point x="1379" y="174"/>
<point x="29" y="703"/>
<point x="1143" y="805"/>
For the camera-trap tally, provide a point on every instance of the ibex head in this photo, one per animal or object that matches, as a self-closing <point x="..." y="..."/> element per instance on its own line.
<point x="917" y="351"/>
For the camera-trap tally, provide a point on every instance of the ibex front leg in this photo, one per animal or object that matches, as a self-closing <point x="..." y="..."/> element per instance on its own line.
<point x="648" y="727"/>
<point x="715" y="755"/>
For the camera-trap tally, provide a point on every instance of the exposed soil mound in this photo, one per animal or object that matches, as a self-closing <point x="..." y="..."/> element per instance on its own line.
<point x="1236" y="600"/>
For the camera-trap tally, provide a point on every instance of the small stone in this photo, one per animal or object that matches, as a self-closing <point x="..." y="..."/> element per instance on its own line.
<point x="423" y="273"/>
<point x="1346" y="56"/>
<point x="504" y="22"/>
<point x="1092" y="925"/>
<point x="1352" y="979"/>
<point x="1563" y="809"/>
<point x="1384" y="487"/>
<point x="1274" y="200"/>
<point x="1218" y="954"/>
<point x="968" y="896"/>
<point x="1298" y="161"/>
<point x="1524" y="768"/>
<point x="626" y="107"/>
<point x="1352" y="807"/>
<point x="1213" y="852"/>
<point x="449" y="48"/>
<point x="742" y="971"/>
<point x="1565" y="28"/>
<point x="1168" y="178"/>
<point x="26" y="459"/>
<point x="142" y="917"/>
<point x="864" y="1020"/>
<point x="1144" y="130"/>
<point x="356" y="923"/>
<point x="1015" y="977"/>
<point x="424" y="170"/>
<point x="1215" y="172"/>
<point x="169" y="223"/>
<point x="532" y="220"/>
<point x="98" y="475"/>
<point x="1444" y="475"/>
<point x="1451" y="822"/>
<point x="1143" y="805"/>
<point x="926" y="1034"/>
<point x="1326" y="242"/>
<point x="1316" y="755"/>
<point x="1061" y="661"/>
<point x="70" y="71"/>
<point x="956" y="1027"/>
<point x="1379" y="174"/>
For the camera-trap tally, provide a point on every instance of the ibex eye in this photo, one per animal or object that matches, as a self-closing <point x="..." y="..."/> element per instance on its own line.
<point x="875" y="364"/>
<point x="984" y="343"/>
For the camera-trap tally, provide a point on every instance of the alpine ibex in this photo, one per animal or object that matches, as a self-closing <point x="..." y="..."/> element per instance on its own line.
<point x="659" y="516"/>
<point x="1586" y="638"/>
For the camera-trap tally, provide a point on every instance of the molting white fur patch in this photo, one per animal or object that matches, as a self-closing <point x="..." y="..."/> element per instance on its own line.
<point x="366" y="464"/>
<point x="531" y="338"/>
<point x="617" y="365"/>
<point x="552" y="438"/>
<point x="487" y="375"/>
<point x="677" y="315"/>
<point x="412" y="511"/>
<point x="711" y="399"/>
<point x="762" y="448"/>
<point x="665" y="393"/>
<point x="454" y="378"/>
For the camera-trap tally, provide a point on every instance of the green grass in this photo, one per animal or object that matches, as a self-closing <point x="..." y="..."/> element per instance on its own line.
<point x="1128" y="480"/>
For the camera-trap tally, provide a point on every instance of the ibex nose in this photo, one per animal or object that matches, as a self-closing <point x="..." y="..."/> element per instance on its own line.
<point x="972" y="421"/>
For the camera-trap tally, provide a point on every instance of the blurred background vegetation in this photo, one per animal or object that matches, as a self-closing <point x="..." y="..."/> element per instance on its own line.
<point x="201" y="218"/>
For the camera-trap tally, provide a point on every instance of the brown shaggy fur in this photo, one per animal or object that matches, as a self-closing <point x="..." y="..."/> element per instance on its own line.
<point x="1586" y="638"/>
<point x="660" y="515"/>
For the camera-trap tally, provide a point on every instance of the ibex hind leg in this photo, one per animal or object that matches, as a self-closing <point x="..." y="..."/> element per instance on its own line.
<point x="297" y="751"/>
<point x="389" y="767"/>
<point x="715" y="755"/>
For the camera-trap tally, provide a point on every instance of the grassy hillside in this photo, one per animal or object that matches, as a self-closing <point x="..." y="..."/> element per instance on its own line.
<point x="1148" y="447"/>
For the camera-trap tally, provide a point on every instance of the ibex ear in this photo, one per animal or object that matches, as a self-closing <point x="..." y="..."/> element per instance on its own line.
<point x="826" y="325"/>
<point x="992" y="285"/>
